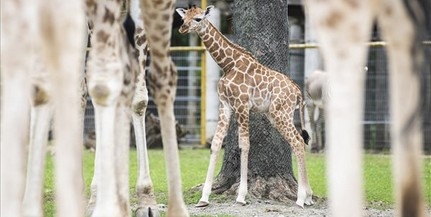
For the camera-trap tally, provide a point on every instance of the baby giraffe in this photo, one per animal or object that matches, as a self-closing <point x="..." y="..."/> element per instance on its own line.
<point x="248" y="86"/>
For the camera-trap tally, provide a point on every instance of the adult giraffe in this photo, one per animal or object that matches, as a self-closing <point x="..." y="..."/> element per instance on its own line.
<point x="343" y="27"/>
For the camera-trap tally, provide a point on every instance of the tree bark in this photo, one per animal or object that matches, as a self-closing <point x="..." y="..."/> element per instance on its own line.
<point x="262" y="28"/>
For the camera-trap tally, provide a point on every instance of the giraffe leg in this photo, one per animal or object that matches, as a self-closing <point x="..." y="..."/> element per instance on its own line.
<point x="122" y="126"/>
<point x="63" y="47"/>
<point x="158" y="16"/>
<point x="105" y="86"/>
<point x="144" y="185"/>
<point x="222" y="127"/>
<point x="41" y="115"/>
<point x="405" y="59"/>
<point x="112" y="103"/>
<point x="106" y="203"/>
<point x="164" y="93"/>
<point x="287" y="128"/>
<point x="110" y="84"/>
<point x="122" y="148"/>
<point x="244" y="145"/>
<point x="15" y="67"/>
<point x="93" y="186"/>
<point x="342" y="45"/>
<point x="304" y="195"/>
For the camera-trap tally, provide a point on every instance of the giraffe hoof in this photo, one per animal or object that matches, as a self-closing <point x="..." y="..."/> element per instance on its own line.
<point x="202" y="204"/>
<point x="147" y="211"/>
<point x="240" y="203"/>
<point x="300" y="204"/>
<point x="309" y="201"/>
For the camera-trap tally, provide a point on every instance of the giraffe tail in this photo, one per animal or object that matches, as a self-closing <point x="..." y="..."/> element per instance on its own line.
<point x="304" y="133"/>
<point x="305" y="136"/>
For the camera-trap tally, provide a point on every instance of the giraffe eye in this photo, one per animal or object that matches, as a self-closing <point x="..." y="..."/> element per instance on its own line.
<point x="198" y="19"/>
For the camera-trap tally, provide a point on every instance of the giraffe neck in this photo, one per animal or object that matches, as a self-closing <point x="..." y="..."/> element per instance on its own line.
<point x="223" y="51"/>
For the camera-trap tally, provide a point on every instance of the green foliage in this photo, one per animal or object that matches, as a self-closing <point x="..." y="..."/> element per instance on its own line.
<point x="194" y="163"/>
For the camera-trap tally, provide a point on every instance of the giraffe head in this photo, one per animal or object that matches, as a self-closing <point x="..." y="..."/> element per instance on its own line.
<point x="193" y="18"/>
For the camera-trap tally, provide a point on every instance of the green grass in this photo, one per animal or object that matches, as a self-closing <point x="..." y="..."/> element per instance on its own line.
<point x="377" y="174"/>
<point x="378" y="186"/>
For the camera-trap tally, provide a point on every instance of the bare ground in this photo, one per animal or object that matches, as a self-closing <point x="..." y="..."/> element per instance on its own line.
<point x="261" y="208"/>
<point x="273" y="209"/>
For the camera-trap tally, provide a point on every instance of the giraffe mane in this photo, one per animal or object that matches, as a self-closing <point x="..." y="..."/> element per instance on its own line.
<point x="230" y="43"/>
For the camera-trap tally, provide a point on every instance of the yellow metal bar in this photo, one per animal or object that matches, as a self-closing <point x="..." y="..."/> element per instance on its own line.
<point x="203" y="90"/>
<point x="291" y="46"/>
<point x="303" y="46"/>
<point x="203" y="98"/>
<point x="370" y="44"/>
<point x="187" y="48"/>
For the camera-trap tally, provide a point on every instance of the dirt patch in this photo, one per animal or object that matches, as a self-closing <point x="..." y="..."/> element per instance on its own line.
<point x="259" y="208"/>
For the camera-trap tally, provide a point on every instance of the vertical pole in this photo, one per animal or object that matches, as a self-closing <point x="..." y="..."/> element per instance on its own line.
<point x="203" y="89"/>
<point x="192" y="80"/>
<point x="212" y="78"/>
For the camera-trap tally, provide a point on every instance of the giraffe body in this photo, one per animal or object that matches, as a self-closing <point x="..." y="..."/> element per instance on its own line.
<point x="248" y="86"/>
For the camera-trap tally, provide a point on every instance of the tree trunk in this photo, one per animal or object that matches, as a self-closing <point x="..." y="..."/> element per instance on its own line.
<point x="261" y="28"/>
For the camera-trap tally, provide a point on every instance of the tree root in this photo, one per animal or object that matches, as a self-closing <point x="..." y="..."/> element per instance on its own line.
<point x="272" y="188"/>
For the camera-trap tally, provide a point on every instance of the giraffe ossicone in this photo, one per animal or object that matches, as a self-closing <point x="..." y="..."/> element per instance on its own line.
<point x="248" y="86"/>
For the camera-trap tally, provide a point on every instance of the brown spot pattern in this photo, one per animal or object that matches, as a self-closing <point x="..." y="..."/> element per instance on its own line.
<point x="102" y="36"/>
<point x="109" y="16"/>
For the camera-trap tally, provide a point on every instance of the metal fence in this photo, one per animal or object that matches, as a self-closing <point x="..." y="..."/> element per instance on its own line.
<point x="376" y="112"/>
<point x="187" y="102"/>
<point x="188" y="99"/>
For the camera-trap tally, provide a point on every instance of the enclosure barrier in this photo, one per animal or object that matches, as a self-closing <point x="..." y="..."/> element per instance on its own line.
<point x="201" y="138"/>
<point x="201" y="49"/>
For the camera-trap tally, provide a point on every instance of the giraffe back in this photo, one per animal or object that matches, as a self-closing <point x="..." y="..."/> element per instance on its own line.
<point x="259" y="86"/>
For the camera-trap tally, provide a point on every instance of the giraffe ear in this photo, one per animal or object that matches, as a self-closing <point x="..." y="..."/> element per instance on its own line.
<point x="181" y="12"/>
<point x="208" y="9"/>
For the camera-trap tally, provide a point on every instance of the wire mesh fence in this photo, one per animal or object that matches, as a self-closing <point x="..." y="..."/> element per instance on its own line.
<point x="187" y="102"/>
<point x="376" y="121"/>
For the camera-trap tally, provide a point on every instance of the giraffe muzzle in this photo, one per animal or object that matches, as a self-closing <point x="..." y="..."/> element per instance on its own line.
<point x="183" y="29"/>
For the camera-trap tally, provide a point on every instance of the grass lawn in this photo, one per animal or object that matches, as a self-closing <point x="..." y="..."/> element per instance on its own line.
<point x="377" y="174"/>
